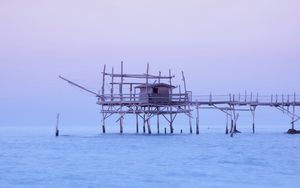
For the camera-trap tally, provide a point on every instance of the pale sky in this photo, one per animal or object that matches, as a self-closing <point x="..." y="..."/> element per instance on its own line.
<point x="222" y="46"/>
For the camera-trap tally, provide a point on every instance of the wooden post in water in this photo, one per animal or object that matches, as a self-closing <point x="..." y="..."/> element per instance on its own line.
<point x="121" y="97"/>
<point x="232" y="114"/>
<point x="56" y="128"/>
<point x="148" y="125"/>
<point x="171" y="124"/>
<point x="232" y="124"/>
<point x="102" y="93"/>
<point x="252" y="109"/>
<point x="197" y="119"/>
<point x="137" y="123"/>
<point x="121" y="125"/>
<point x="235" y="122"/>
<point x="236" y="117"/>
<point x="148" y="99"/>
<point x="293" y="116"/>
<point x="148" y="121"/>
<point x="103" y="122"/>
<point x="157" y="120"/>
<point x="253" y="126"/>
<point x="226" y="129"/>
<point x="231" y="127"/>
<point x="144" y="123"/>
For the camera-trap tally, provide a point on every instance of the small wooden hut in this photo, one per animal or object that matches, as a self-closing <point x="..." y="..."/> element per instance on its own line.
<point x="159" y="93"/>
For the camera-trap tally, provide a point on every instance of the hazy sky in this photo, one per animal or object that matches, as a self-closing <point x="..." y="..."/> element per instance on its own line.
<point x="223" y="46"/>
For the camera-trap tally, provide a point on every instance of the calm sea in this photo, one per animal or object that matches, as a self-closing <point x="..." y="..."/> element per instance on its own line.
<point x="86" y="159"/>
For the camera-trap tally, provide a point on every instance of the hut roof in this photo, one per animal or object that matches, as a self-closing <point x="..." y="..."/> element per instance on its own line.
<point x="155" y="85"/>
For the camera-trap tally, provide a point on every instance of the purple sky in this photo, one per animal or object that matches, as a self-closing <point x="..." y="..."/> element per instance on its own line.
<point x="223" y="46"/>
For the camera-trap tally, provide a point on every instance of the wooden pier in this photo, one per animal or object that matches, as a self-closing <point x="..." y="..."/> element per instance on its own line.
<point x="232" y="104"/>
<point x="146" y="96"/>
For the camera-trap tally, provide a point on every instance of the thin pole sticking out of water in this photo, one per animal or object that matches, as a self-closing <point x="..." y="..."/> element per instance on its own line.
<point x="226" y="129"/>
<point x="56" y="128"/>
<point x="197" y="119"/>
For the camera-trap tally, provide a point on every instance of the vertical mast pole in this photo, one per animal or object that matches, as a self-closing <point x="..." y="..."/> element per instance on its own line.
<point x="231" y="113"/>
<point x="188" y="102"/>
<point x="137" y="122"/>
<point x="121" y="85"/>
<point x="158" y="120"/>
<point x="102" y="108"/>
<point x="112" y="85"/>
<point x="121" y="98"/>
<point x="158" y="109"/>
<point x="147" y="82"/>
<point x="103" y="82"/>
<point x="170" y="103"/>
<point x="148" y="99"/>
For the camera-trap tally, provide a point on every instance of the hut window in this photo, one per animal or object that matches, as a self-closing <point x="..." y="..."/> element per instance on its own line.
<point x="155" y="90"/>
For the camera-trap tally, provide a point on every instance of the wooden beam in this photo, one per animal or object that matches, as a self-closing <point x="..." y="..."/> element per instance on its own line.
<point x="141" y="76"/>
<point x="112" y="86"/>
<point x="121" y="83"/>
<point x="103" y="81"/>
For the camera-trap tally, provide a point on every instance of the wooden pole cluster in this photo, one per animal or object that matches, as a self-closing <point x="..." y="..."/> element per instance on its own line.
<point x="149" y="103"/>
<point x="234" y="104"/>
<point x="158" y="105"/>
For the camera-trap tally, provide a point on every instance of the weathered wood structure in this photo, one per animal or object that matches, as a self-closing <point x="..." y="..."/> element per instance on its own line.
<point x="146" y="96"/>
<point x="232" y="105"/>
